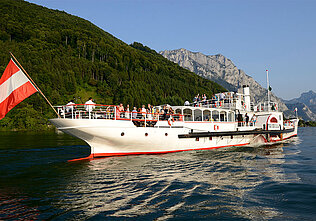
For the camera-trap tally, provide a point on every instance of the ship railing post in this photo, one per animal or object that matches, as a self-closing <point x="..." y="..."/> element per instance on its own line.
<point x="72" y="112"/>
<point x="114" y="112"/>
<point x="64" y="112"/>
<point x="145" y="119"/>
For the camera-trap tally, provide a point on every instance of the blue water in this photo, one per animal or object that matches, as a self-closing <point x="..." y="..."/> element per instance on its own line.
<point x="267" y="183"/>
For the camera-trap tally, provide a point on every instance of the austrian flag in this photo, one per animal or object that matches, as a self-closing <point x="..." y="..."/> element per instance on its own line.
<point x="14" y="88"/>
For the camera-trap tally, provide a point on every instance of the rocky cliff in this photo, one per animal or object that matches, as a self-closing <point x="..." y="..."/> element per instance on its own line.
<point x="222" y="70"/>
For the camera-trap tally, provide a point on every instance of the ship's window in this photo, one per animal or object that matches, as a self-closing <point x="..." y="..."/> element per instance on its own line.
<point x="187" y="114"/>
<point x="215" y="115"/>
<point x="178" y="114"/>
<point x="197" y="115"/>
<point x="223" y="116"/>
<point x="206" y="115"/>
<point x="230" y="116"/>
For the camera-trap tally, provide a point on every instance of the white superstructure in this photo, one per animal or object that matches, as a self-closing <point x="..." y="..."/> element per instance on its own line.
<point x="216" y="123"/>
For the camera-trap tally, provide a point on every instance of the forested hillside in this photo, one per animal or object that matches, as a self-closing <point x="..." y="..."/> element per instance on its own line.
<point x="69" y="57"/>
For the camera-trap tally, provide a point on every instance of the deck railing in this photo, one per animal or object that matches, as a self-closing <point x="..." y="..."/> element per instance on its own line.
<point x="235" y="102"/>
<point x="111" y="112"/>
<point x="272" y="106"/>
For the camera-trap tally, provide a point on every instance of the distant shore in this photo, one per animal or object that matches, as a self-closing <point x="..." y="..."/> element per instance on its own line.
<point x="303" y="123"/>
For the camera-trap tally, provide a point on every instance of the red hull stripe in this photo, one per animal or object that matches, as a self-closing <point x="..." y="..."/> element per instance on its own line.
<point x="157" y="152"/>
<point x="10" y="70"/>
<point x="16" y="97"/>
<point x="294" y="135"/>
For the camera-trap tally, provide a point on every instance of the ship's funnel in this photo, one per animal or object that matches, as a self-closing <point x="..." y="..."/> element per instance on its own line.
<point x="246" y="97"/>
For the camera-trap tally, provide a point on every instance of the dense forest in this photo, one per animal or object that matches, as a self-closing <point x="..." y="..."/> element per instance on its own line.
<point x="70" y="58"/>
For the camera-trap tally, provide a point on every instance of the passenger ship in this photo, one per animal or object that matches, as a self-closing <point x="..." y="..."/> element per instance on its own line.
<point x="205" y="125"/>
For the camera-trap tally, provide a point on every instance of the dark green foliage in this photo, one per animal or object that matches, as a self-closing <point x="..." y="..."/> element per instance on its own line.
<point x="68" y="57"/>
<point x="303" y="123"/>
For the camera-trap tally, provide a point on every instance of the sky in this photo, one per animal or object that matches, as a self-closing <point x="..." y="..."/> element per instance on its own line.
<point x="278" y="35"/>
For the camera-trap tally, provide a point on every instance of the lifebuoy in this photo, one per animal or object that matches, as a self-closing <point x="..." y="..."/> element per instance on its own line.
<point x="169" y="121"/>
<point x="220" y="104"/>
<point x="216" y="127"/>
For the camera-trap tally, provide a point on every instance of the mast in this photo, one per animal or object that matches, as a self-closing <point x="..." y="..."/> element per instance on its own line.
<point x="268" y="88"/>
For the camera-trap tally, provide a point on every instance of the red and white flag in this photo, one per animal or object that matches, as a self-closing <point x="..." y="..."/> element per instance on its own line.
<point x="14" y="88"/>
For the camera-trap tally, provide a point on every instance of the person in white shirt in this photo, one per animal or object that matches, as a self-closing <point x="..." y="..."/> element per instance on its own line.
<point x="89" y="105"/>
<point x="70" y="106"/>
<point x="144" y="112"/>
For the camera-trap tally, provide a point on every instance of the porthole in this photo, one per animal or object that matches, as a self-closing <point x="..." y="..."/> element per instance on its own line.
<point x="146" y="134"/>
<point x="122" y="134"/>
<point x="197" y="139"/>
<point x="166" y="134"/>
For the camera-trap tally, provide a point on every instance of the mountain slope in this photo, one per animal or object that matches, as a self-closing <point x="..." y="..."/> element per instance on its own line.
<point x="69" y="57"/>
<point x="307" y="98"/>
<point x="221" y="70"/>
<point x="305" y="104"/>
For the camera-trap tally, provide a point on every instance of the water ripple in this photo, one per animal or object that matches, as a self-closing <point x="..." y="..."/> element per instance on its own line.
<point x="246" y="183"/>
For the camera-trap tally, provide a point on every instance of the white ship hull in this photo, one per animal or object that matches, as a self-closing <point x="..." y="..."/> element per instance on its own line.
<point x="121" y="137"/>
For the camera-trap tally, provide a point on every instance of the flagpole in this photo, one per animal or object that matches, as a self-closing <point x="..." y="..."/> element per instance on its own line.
<point x="39" y="90"/>
<point x="268" y="87"/>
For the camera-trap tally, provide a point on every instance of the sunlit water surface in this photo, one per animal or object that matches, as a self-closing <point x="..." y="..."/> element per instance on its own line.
<point x="272" y="182"/>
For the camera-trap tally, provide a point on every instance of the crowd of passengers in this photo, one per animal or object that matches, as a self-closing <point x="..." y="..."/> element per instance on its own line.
<point x="149" y="113"/>
<point x="198" y="99"/>
<point x="153" y="113"/>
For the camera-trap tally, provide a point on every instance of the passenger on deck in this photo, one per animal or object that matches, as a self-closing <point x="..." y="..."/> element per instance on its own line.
<point x="143" y="111"/>
<point x="246" y="119"/>
<point x="156" y="115"/>
<point x="186" y="103"/>
<point x="127" y="112"/>
<point x="162" y="113"/>
<point x="149" y="112"/>
<point x="199" y="100"/>
<point x="108" y="114"/>
<point x="165" y="112"/>
<point x="171" y="111"/>
<point x="195" y="100"/>
<point x="89" y="105"/>
<point x="134" y="113"/>
<point x="214" y="98"/>
<point x="240" y="119"/>
<point x="70" y="106"/>
<point x="121" y="107"/>
<point x="254" y="120"/>
<point x="204" y="99"/>
<point x="221" y="96"/>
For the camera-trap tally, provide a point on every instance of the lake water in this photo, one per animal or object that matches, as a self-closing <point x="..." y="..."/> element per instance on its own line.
<point x="273" y="182"/>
